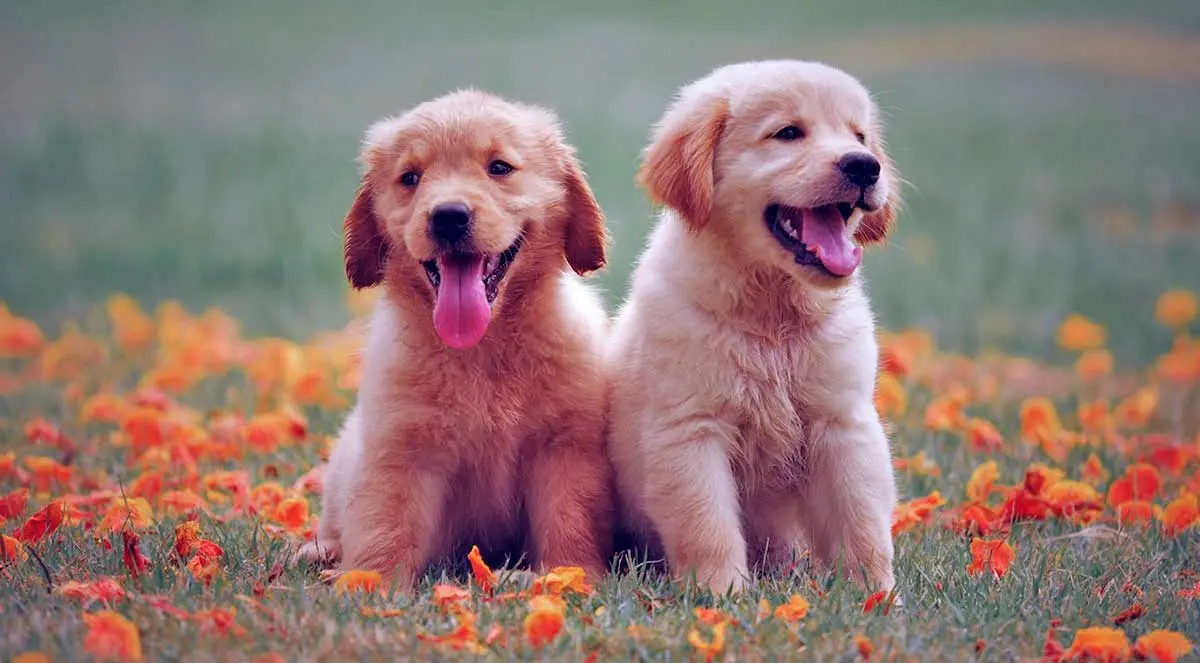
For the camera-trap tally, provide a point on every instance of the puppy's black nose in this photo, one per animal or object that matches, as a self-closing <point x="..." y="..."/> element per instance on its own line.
<point x="860" y="168"/>
<point x="449" y="222"/>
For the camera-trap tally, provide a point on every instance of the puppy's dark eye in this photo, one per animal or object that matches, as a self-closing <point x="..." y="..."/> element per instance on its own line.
<point x="789" y="133"/>
<point x="410" y="179"/>
<point x="862" y="138"/>
<point x="499" y="168"/>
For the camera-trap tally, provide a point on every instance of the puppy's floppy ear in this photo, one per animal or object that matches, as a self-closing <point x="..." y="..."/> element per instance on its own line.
<point x="875" y="226"/>
<point x="586" y="238"/>
<point x="677" y="167"/>
<point x="365" y="247"/>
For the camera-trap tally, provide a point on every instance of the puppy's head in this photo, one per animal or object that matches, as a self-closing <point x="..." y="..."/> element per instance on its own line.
<point x="784" y="158"/>
<point x="461" y="194"/>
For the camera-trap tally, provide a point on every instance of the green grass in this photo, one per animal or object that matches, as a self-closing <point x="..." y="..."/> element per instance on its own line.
<point x="205" y="152"/>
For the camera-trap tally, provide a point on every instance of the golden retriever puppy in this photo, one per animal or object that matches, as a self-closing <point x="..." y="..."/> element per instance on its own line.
<point x="743" y="363"/>
<point x="480" y="415"/>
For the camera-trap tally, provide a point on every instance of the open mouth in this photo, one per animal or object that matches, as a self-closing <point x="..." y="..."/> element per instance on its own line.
<point x="817" y="237"/>
<point x="493" y="268"/>
<point x="466" y="285"/>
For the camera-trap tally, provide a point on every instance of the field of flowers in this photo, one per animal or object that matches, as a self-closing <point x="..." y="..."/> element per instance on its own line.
<point x="157" y="469"/>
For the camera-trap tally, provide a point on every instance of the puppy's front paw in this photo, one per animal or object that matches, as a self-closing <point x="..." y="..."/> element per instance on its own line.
<point x="727" y="583"/>
<point x="318" y="553"/>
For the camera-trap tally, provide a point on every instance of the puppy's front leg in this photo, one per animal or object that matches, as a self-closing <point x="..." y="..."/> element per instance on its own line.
<point x="395" y="516"/>
<point x="569" y="499"/>
<point x="691" y="496"/>
<point x="850" y="497"/>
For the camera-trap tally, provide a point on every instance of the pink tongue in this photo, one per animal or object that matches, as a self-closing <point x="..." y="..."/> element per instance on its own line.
<point x="461" y="312"/>
<point x="824" y="232"/>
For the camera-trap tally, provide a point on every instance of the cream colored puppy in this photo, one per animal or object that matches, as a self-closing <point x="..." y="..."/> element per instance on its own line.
<point x="744" y="362"/>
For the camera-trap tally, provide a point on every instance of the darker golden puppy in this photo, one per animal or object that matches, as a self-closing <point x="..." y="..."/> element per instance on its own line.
<point x="480" y="414"/>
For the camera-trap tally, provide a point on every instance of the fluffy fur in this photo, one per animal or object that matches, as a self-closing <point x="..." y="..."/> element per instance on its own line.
<point x="500" y="444"/>
<point x="742" y="421"/>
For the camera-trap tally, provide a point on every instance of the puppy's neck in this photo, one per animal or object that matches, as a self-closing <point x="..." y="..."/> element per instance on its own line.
<point x="758" y="298"/>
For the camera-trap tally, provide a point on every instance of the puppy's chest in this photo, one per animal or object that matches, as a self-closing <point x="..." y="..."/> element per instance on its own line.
<point x="777" y="389"/>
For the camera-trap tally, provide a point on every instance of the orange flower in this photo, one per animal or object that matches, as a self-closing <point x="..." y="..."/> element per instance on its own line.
<point x="1138" y="408"/>
<point x="994" y="554"/>
<point x="1039" y="477"/>
<point x="111" y="637"/>
<point x="1176" y="308"/>
<point x="1134" y="512"/>
<point x="880" y="598"/>
<point x="1093" y="471"/>
<point x="1093" y="416"/>
<point x="983" y="436"/>
<point x="18" y="337"/>
<point x="265" y="497"/>
<point x="446" y="595"/>
<point x="292" y="513"/>
<point x="31" y="657"/>
<point x="1173" y="458"/>
<point x="919" y="464"/>
<point x="1141" y="482"/>
<point x="181" y="501"/>
<point x="464" y="637"/>
<point x="1162" y="646"/>
<point x="794" y="610"/>
<point x="148" y="485"/>
<point x="1098" y="643"/>
<point x="562" y="579"/>
<point x="979" y="486"/>
<point x="1180" y="365"/>
<point x="484" y="577"/>
<point x="105" y="590"/>
<point x="131" y="514"/>
<point x="13" y="504"/>
<point x="890" y="398"/>
<point x="8" y="464"/>
<point x="1077" y="334"/>
<point x="41" y="524"/>
<point x="864" y="646"/>
<point x="944" y="413"/>
<point x="222" y="621"/>
<point x="47" y="472"/>
<point x="358" y="581"/>
<point x="1094" y="364"/>
<point x="133" y="330"/>
<point x="1129" y="614"/>
<point x="205" y="562"/>
<point x="1074" y="498"/>
<point x="1039" y="421"/>
<point x="909" y="514"/>
<point x="187" y="536"/>
<point x="976" y="519"/>
<point x="11" y="550"/>
<point x="710" y="649"/>
<point x="545" y="620"/>
<point x="131" y="554"/>
<point x="40" y="430"/>
<point x="710" y="616"/>
<point x="1182" y="513"/>
<point x="103" y="407"/>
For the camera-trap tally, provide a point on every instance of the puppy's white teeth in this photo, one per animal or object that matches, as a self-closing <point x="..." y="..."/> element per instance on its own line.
<point x="490" y="266"/>
<point x="786" y="224"/>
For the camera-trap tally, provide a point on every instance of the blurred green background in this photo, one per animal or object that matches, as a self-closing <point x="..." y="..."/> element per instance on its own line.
<point x="205" y="150"/>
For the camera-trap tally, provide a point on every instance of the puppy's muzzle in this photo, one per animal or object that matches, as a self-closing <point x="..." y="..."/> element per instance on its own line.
<point x="449" y="223"/>
<point x="860" y="169"/>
